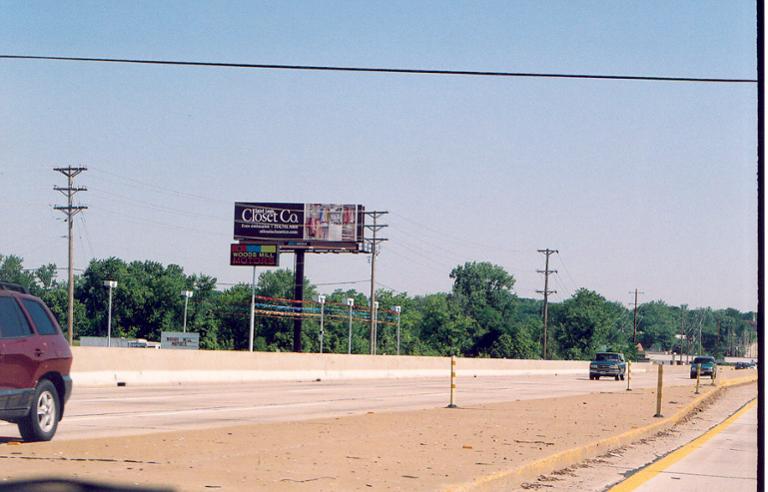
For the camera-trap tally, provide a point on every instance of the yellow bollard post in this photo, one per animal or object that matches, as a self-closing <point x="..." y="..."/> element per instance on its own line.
<point x="658" y="391"/>
<point x="452" y="404"/>
<point x="629" y="374"/>
<point x="698" y="377"/>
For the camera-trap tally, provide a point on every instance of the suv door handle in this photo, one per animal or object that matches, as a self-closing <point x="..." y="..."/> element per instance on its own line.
<point x="39" y="352"/>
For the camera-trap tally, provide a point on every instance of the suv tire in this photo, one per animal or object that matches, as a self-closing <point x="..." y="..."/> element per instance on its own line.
<point x="43" y="418"/>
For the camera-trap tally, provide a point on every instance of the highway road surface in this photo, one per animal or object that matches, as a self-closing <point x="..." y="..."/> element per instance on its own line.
<point x="727" y="461"/>
<point x="132" y="410"/>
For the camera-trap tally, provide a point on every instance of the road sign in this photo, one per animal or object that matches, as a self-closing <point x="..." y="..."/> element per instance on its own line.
<point x="245" y="254"/>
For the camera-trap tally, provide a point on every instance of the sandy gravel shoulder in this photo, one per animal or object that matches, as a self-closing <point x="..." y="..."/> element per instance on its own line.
<point x="413" y="450"/>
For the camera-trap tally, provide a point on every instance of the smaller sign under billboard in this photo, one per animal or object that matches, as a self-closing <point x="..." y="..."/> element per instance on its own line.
<point x="179" y="340"/>
<point x="245" y="254"/>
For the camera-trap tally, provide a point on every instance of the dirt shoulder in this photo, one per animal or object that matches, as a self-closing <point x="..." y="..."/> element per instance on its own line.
<point x="414" y="450"/>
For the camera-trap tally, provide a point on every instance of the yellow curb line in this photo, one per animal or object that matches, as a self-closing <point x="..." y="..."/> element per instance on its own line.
<point x="654" y="469"/>
<point x="578" y="454"/>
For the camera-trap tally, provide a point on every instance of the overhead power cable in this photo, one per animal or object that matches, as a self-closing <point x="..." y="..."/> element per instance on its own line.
<point x="405" y="71"/>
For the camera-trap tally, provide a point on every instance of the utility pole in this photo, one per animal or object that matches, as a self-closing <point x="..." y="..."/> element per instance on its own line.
<point x="701" y="320"/>
<point x="70" y="210"/>
<point x="546" y="291"/>
<point x="373" y="242"/>
<point x="717" y="343"/>
<point x="682" y="331"/>
<point x="634" y="319"/>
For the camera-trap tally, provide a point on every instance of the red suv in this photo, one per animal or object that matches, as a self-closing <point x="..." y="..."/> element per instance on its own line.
<point x="34" y="364"/>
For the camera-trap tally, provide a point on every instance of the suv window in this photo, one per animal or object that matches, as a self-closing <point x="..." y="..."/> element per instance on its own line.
<point x="702" y="360"/>
<point x="607" y="357"/>
<point x="39" y="317"/>
<point x="13" y="324"/>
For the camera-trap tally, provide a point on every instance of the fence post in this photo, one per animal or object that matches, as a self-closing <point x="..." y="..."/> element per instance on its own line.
<point x="452" y="404"/>
<point x="629" y="374"/>
<point x="659" y="386"/>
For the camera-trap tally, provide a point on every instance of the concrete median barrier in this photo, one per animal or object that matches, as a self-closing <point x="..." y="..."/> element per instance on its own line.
<point x="94" y="366"/>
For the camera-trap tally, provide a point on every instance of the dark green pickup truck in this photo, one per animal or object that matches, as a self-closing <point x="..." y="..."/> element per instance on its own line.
<point x="608" y="364"/>
<point x="708" y="366"/>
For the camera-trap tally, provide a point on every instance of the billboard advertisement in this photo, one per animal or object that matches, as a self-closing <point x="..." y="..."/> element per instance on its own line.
<point x="301" y="225"/>
<point x="254" y="255"/>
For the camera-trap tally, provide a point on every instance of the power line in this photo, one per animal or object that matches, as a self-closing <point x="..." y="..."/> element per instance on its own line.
<point x="404" y="71"/>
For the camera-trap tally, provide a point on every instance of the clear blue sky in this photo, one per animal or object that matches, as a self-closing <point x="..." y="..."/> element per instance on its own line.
<point x="638" y="184"/>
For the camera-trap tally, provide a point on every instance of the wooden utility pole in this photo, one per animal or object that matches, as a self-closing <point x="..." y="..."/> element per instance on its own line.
<point x="373" y="242"/>
<point x="70" y="210"/>
<point x="546" y="292"/>
<point x="717" y="343"/>
<point x="682" y="331"/>
<point x="634" y="319"/>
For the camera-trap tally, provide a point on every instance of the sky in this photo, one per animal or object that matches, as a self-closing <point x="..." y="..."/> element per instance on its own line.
<point x="647" y="185"/>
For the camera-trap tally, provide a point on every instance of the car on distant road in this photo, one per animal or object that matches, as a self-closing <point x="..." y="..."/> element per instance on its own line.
<point x="608" y="364"/>
<point x="34" y="364"/>
<point x="708" y="366"/>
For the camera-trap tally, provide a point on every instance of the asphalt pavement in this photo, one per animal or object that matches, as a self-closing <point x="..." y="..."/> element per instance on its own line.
<point x="131" y="410"/>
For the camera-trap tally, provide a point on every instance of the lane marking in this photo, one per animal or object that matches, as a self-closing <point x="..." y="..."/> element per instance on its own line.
<point x="657" y="467"/>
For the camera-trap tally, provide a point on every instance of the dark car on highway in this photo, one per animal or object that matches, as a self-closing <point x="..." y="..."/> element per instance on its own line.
<point x="608" y="364"/>
<point x="34" y="364"/>
<point x="708" y="366"/>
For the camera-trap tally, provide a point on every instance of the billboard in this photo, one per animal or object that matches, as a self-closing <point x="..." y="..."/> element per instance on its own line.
<point x="254" y="255"/>
<point x="301" y="225"/>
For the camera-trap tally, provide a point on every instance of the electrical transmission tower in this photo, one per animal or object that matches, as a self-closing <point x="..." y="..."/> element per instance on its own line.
<point x="70" y="210"/>
<point x="373" y="250"/>
<point x="546" y="290"/>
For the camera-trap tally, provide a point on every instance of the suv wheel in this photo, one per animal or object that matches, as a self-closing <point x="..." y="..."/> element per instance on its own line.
<point x="43" y="418"/>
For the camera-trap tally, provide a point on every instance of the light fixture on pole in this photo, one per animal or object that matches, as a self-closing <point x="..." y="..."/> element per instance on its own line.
<point x="375" y="337"/>
<point x="397" y="310"/>
<point x="321" y="300"/>
<point x="350" y="303"/>
<point x="187" y="294"/>
<point x="111" y="284"/>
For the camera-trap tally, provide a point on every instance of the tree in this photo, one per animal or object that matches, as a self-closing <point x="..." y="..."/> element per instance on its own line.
<point x="582" y="324"/>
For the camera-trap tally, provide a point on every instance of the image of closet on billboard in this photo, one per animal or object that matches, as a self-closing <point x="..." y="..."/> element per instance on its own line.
<point x="330" y="222"/>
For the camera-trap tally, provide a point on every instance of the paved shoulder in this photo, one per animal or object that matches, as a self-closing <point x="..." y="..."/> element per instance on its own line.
<point x="724" y="458"/>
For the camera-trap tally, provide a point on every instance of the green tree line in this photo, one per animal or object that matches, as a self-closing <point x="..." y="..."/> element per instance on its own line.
<point x="480" y="317"/>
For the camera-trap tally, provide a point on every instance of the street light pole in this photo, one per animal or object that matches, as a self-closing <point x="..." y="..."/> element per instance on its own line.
<point x="397" y="310"/>
<point x="350" y="303"/>
<point x="321" y="300"/>
<point x="187" y="294"/>
<point x="111" y="284"/>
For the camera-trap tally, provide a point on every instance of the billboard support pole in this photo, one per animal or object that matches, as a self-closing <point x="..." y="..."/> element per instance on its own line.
<point x="298" y="295"/>
<point x="253" y="310"/>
